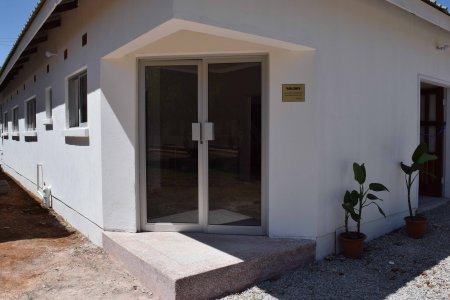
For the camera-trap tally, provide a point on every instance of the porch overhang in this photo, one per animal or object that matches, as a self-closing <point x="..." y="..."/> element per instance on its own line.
<point x="175" y="25"/>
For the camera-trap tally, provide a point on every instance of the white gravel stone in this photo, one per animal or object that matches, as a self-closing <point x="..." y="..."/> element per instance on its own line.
<point x="420" y="270"/>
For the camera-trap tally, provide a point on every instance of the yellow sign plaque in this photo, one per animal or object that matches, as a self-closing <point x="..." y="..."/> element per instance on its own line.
<point x="293" y="92"/>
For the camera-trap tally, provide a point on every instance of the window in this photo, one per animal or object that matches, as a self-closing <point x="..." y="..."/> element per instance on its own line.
<point x="15" y="120"/>
<point x="78" y="100"/>
<point x="48" y="103"/>
<point x="30" y="115"/>
<point x="5" y="122"/>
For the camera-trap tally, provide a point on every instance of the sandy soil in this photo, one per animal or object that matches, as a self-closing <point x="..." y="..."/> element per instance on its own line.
<point x="42" y="257"/>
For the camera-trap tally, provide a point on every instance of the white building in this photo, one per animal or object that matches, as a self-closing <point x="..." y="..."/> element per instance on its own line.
<point x="171" y="115"/>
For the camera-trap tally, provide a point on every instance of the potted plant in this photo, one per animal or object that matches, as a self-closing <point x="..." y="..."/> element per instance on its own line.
<point x="416" y="226"/>
<point x="352" y="242"/>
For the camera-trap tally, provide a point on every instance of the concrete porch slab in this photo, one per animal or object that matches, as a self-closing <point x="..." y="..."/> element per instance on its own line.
<point x="427" y="203"/>
<point x="201" y="266"/>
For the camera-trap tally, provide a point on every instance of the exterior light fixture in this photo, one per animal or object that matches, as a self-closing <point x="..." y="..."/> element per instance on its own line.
<point x="49" y="54"/>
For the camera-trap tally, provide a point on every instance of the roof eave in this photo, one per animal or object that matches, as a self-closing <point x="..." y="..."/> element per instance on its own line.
<point x="426" y="10"/>
<point x="38" y="17"/>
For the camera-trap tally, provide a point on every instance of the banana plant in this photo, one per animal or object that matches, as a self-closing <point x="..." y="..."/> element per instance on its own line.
<point x="419" y="157"/>
<point x="356" y="200"/>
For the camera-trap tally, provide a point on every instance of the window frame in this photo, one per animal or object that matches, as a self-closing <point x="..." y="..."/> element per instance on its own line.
<point x="29" y="113"/>
<point x="75" y="116"/>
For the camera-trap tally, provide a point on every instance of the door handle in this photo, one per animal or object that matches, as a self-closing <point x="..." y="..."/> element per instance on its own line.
<point x="196" y="132"/>
<point x="208" y="131"/>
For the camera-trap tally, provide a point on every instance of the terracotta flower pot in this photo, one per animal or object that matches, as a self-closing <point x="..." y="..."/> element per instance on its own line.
<point x="416" y="226"/>
<point x="352" y="244"/>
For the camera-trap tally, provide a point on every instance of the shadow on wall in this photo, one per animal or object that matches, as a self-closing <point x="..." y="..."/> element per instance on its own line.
<point x="31" y="139"/>
<point x="77" y="141"/>
<point x="22" y="218"/>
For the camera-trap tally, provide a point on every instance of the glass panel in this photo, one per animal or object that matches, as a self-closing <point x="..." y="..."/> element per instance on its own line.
<point x="432" y="139"/>
<point x="422" y="108"/>
<point x="73" y="103"/>
<point x="171" y="95"/>
<point x="33" y="115"/>
<point x="234" y="104"/>
<point x="83" y="99"/>
<point x="432" y="108"/>
<point x="16" y="120"/>
<point x="5" y="123"/>
<point x="48" y="103"/>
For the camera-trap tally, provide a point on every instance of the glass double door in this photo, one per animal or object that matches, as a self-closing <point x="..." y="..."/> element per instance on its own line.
<point x="203" y="146"/>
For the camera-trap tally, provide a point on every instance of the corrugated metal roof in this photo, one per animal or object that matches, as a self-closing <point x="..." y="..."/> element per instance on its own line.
<point x="27" y="25"/>
<point x="40" y="4"/>
<point x="438" y="6"/>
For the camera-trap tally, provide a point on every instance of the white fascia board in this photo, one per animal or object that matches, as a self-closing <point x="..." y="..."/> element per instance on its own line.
<point x="424" y="11"/>
<point x="39" y="20"/>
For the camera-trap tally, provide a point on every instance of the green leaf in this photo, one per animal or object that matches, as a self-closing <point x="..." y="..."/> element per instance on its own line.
<point x="405" y="168"/>
<point x="354" y="198"/>
<point x="421" y="148"/>
<point x="426" y="157"/>
<point x="378" y="187"/>
<point x="347" y="197"/>
<point x="355" y="217"/>
<point x="380" y="210"/>
<point x="415" y="167"/>
<point x="359" y="172"/>
<point x="373" y="197"/>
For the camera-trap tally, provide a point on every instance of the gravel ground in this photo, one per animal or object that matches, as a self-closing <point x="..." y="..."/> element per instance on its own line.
<point x="393" y="267"/>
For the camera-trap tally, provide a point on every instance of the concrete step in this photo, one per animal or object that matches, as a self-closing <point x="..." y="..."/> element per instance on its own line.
<point x="202" y="266"/>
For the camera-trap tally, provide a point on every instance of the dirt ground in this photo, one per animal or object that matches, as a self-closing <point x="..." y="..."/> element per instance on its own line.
<point x="42" y="257"/>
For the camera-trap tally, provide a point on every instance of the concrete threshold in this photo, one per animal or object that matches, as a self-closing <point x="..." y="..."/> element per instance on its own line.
<point x="202" y="266"/>
<point x="427" y="203"/>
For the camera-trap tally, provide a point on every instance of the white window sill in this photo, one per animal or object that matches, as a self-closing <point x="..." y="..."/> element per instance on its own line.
<point x="15" y="134"/>
<point x="76" y="132"/>
<point x="5" y="134"/>
<point x="48" y="121"/>
<point x="30" y="133"/>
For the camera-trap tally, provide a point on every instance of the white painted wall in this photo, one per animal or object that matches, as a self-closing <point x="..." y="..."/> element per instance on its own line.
<point x="360" y="60"/>
<point x="363" y="106"/>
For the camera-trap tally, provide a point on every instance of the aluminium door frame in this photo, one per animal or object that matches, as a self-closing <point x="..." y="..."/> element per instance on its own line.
<point x="162" y="227"/>
<point x="230" y="229"/>
<point x="202" y="226"/>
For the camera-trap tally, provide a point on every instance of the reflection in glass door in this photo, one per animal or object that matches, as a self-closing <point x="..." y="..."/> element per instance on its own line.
<point x="171" y="107"/>
<point x="234" y="156"/>
<point x="202" y="128"/>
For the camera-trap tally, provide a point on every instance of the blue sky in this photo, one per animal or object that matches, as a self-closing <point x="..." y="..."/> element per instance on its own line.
<point x="13" y="16"/>
<point x="15" y="13"/>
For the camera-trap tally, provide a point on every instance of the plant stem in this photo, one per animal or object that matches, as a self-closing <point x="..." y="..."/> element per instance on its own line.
<point x="361" y="196"/>
<point x="346" y="222"/>
<point x="409" y="195"/>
